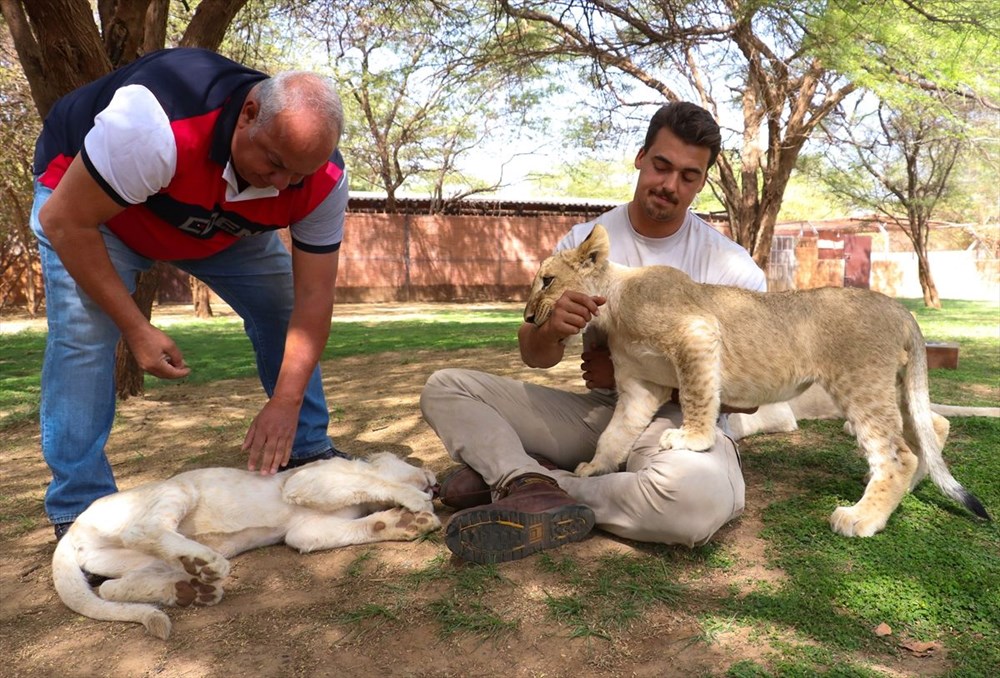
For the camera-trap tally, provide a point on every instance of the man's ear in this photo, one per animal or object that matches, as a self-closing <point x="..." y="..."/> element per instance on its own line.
<point x="249" y="112"/>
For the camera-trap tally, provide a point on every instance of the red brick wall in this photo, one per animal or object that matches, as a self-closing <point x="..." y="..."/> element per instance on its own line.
<point x="433" y="258"/>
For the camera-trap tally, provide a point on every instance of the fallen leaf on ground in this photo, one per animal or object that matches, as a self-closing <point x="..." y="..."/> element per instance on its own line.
<point x="882" y="629"/>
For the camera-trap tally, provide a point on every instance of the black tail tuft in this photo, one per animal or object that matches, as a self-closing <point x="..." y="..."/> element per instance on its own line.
<point x="973" y="504"/>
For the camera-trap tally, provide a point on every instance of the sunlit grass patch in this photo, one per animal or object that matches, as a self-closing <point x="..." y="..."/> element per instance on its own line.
<point x="932" y="574"/>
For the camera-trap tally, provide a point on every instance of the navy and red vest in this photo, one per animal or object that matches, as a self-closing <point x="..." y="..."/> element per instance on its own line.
<point x="201" y="94"/>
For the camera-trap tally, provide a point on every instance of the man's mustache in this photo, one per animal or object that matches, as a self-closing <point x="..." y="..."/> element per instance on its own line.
<point x="669" y="197"/>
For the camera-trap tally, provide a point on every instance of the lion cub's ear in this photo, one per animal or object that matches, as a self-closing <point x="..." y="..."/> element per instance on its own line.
<point x="594" y="249"/>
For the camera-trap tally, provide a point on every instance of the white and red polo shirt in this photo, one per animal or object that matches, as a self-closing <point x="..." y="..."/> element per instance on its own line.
<point x="156" y="135"/>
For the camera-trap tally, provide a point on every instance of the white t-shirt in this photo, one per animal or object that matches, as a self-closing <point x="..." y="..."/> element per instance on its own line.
<point x="696" y="248"/>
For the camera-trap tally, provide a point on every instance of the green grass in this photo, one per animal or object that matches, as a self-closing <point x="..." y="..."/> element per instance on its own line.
<point x="219" y="349"/>
<point x="612" y="596"/>
<point x="932" y="575"/>
<point x="975" y="327"/>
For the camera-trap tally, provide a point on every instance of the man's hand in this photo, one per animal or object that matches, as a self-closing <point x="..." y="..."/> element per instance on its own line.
<point x="269" y="440"/>
<point x="571" y="313"/>
<point x="544" y="345"/>
<point x="598" y="370"/>
<point x="157" y="353"/>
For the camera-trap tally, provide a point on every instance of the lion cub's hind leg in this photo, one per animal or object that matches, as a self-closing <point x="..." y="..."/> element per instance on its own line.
<point x="154" y="532"/>
<point x="328" y="532"/>
<point x="162" y="584"/>
<point x="891" y="463"/>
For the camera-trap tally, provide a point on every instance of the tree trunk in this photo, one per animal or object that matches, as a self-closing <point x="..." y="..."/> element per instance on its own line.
<point x="60" y="49"/>
<point x="210" y="22"/>
<point x="155" y="34"/>
<point x="201" y="296"/>
<point x="128" y="374"/>
<point x="122" y="25"/>
<point x="58" y="46"/>
<point x="931" y="298"/>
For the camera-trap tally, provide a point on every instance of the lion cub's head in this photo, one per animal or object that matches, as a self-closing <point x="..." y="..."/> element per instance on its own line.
<point x="575" y="269"/>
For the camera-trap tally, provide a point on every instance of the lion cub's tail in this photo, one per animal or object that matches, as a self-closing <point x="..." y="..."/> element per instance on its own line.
<point x="73" y="590"/>
<point x="921" y="422"/>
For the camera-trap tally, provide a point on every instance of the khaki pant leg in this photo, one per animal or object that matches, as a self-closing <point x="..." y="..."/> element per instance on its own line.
<point x="671" y="497"/>
<point x="491" y="423"/>
<point x="666" y="496"/>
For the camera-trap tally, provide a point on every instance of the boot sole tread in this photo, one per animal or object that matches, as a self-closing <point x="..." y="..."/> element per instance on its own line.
<point x="501" y="535"/>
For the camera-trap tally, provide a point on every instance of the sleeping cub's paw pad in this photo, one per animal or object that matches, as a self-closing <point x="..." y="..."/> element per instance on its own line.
<point x="405" y="524"/>
<point x="206" y="571"/>
<point x="426" y="521"/>
<point x="196" y="592"/>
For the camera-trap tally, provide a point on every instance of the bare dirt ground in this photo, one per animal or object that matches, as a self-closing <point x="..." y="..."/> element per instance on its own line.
<point x="287" y="614"/>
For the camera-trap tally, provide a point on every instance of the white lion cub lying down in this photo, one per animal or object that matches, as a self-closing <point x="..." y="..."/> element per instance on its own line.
<point x="167" y="542"/>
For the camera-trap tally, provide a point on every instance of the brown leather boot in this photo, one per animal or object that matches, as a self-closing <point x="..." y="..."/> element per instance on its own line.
<point x="531" y="513"/>
<point x="464" y="488"/>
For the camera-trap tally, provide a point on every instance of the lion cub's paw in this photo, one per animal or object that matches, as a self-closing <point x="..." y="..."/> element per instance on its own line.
<point x="426" y="521"/>
<point x="403" y="524"/>
<point x="852" y="522"/>
<point x="417" y="502"/>
<point x="686" y="439"/>
<point x="590" y="468"/>
<point x="193" y="591"/>
<point x="214" y="569"/>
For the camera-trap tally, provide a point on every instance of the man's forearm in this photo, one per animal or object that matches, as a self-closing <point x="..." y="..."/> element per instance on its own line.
<point x="86" y="259"/>
<point x="71" y="220"/>
<point x="315" y="276"/>
<point x="539" y="348"/>
<point x="304" y="345"/>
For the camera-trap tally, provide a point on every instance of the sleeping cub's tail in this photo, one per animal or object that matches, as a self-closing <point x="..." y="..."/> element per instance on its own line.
<point x="73" y="590"/>
<point x="918" y="409"/>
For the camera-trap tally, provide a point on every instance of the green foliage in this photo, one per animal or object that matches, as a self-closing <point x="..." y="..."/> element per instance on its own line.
<point x="933" y="62"/>
<point x="264" y="35"/>
<point x="417" y="99"/>
<point x="807" y="199"/>
<point x="905" y="51"/>
<point x="588" y="178"/>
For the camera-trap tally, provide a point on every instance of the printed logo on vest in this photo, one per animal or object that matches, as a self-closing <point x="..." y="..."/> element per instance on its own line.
<point x="202" y="227"/>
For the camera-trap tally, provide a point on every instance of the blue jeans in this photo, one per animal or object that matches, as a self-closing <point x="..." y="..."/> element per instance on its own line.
<point x="254" y="276"/>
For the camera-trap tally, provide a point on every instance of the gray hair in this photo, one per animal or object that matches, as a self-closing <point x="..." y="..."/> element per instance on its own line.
<point x="295" y="90"/>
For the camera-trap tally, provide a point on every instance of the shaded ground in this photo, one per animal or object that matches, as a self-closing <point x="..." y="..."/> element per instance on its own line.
<point x="358" y="611"/>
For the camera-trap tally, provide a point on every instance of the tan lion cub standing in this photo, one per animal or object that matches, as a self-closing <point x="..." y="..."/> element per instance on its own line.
<point x="167" y="542"/>
<point x="725" y="344"/>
